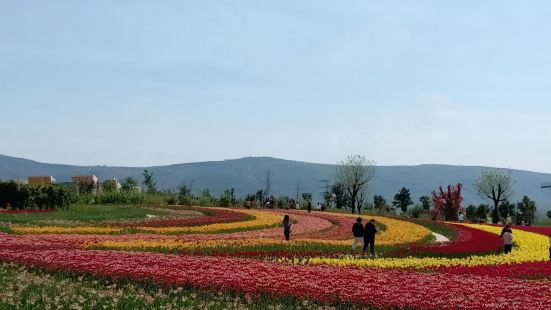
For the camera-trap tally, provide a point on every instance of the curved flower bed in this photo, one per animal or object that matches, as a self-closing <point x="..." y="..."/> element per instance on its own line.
<point x="530" y="247"/>
<point x="377" y="288"/>
<point x="259" y="220"/>
<point x="401" y="232"/>
<point x="312" y="265"/>
<point x="210" y="216"/>
<point x="468" y="241"/>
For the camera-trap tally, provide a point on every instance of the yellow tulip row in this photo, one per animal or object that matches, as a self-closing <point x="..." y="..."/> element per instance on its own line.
<point x="529" y="247"/>
<point x="398" y="231"/>
<point x="261" y="219"/>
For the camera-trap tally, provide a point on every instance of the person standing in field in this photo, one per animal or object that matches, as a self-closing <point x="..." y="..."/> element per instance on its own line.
<point x="286" y="227"/>
<point x="369" y="237"/>
<point x="505" y="229"/>
<point x="358" y="232"/>
<point x="461" y="217"/>
<point x="309" y="207"/>
<point x="507" y="242"/>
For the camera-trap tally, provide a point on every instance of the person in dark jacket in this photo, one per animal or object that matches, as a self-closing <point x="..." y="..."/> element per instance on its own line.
<point x="505" y="229"/>
<point x="358" y="232"/>
<point x="369" y="237"/>
<point x="309" y="207"/>
<point x="286" y="227"/>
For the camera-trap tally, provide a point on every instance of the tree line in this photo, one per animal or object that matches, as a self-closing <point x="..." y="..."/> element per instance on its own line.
<point x="18" y="196"/>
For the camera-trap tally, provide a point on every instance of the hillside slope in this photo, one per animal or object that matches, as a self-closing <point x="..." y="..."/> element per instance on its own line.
<point x="247" y="175"/>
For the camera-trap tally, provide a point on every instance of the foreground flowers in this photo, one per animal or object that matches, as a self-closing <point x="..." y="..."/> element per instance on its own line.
<point x="379" y="288"/>
<point x="467" y="267"/>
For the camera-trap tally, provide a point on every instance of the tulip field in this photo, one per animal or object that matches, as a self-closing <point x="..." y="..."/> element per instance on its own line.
<point x="192" y="257"/>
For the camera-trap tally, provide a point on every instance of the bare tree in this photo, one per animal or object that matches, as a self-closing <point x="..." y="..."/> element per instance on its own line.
<point x="354" y="173"/>
<point x="495" y="184"/>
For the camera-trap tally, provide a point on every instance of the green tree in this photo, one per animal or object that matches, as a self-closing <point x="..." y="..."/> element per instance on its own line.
<point x="470" y="213"/>
<point x="225" y="199"/>
<point x="149" y="182"/>
<point x="482" y="211"/>
<point x="379" y="203"/>
<point x="495" y="184"/>
<point x="506" y="210"/>
<point x="184" y="194"/>
<point x="426" y="202"/>
<point x="354" y="173"/>
<point x="129" y="184"/>
<point x="341" y="199"/>
<point x="306" y="199"/>
<point x="86" y="188"/>
<point x="402" y="199"/>
<point x="527" y="210"/>
<point x="109" y="186"/>
<point x="416" y="211"/>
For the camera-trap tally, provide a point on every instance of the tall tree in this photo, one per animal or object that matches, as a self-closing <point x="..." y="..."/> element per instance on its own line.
<point x="495" y="184"/>
<point x="149" y="182"/>
<point x="425" y="202"/>
<point x="527" y="210"/>
<point x="339" y="194"/>
<point x="402" y="199"/>
<point x="354" y="173"/>
<point x="379" y="203"/>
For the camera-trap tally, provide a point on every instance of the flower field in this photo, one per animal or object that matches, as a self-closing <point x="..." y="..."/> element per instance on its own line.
<point x="243" y="253"/>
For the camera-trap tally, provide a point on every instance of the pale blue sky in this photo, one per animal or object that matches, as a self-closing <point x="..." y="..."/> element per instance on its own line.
<point x="160" y="82"/>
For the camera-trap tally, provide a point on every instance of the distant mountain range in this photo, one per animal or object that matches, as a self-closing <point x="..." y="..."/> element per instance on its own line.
<point x="248" y="174"/>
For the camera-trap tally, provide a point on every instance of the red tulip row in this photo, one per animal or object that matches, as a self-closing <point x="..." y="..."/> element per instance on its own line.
<point x="468" y="241"/>
<point x="379" y="288"/>
<point x="3" y="211"/>
<point x="531" y="270"/>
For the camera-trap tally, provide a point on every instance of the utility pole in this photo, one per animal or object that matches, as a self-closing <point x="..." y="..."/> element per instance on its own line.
<point x="326" y="187"/>
<point x="298" y="188"/>
<point x="267" y="191"/>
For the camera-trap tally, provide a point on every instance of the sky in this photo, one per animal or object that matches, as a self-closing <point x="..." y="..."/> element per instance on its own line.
<point x="141" y="83"/>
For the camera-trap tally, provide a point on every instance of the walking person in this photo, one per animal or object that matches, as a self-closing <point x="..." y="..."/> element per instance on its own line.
<point x="369" y="237"/>
<point x="507" y="242"/>
<point x="358" y="232"/>
<point x="309" y="207"/>
<point x="286" y="227"/>
<point x="461" y="217"/>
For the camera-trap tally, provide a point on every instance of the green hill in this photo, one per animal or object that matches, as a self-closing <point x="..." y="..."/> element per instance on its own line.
<point x="248" y="174"/>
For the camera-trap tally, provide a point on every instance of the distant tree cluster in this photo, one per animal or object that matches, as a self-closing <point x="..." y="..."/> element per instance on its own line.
<point x="23" y="196"/>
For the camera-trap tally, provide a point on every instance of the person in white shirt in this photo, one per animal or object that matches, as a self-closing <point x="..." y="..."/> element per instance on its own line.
<point x="507" y="242"/>
<point x="461" y="217"/>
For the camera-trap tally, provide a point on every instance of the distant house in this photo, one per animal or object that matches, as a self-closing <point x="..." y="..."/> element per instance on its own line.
<point x="40" y="180"/>
<point x="85" y="179"/>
